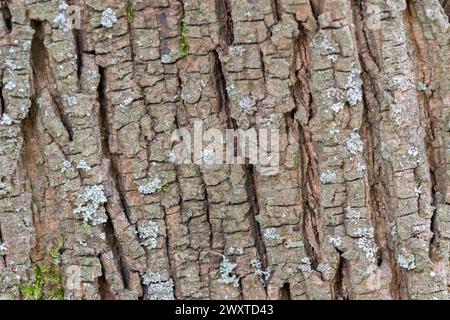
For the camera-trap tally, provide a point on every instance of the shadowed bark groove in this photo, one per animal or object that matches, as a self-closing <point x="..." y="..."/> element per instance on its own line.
<point x="378" y="172"/>
<point x="6" y="14"/>
<point x="223" y="11"/>
<point x="44" y="77"/>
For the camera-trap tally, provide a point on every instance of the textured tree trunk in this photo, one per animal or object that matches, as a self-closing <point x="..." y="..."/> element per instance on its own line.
<point x="93" y="207"/>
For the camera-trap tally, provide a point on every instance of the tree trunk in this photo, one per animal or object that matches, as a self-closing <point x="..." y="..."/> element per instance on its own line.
<point x="93" y="204"/>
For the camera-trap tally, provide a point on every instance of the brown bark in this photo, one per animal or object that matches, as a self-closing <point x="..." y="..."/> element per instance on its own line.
<point x="90" y="196"/>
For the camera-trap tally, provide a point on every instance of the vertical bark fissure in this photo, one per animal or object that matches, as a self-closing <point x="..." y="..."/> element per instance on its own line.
<point x="105" y="125"/>
<point x="431" y="130"/>
<point x="221" y="85"/>
<point x="116" y="178"/>
<point x="6" y="14"/>
<point x="103" y="287"/>
<point x="130" y="16"/>
<point x="276" y="10"/>
<point x="44" y="74"/>
<point x="285" y="292"/>
<point x="378" y="170"/>
<point x="31" y="148"/>
<point x="309" y="167"/>
<point x="118" y="254"/>
<point x="249" y="170"/>
<point x="2" y="99"/>
<point x="171" y="267"/>
<point x="342" y="285"/>
<point x="223" y="12"/>
<point x="79" y="51"/>
<point x="316" y="7"/>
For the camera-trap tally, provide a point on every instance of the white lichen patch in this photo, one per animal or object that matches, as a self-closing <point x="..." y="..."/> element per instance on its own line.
<point x="333" y="57"/>
<point x="3" y="249"/>
<point x="406" y="261"/>
<point x="354" y="143"/>
<point x="368" y="246"/>
<point x="412" y="151"/>
<point x="325" y="269"/>
<point x="6" y="120"/>
<point x="108" y="18"/>
<point x="422" y="86"/>
<point x="11" y="65"/>
<point x="236" y="50"/>
<point x="361" y="166"/>
<point x="324" y="44"/>
<point x="265" y="274"/>
<point x="305" y="265"/>
<point x="150" y="187"/>
<point x="157" y="289"/>
<point x="148" y="234"/>
<point x="248" y="104"/>
<point x="165" y="58"/>
<point x="328" y="177"/>
<point x="353" y="90"/>
<point x="366" y="241"/>
<point x="66" y="165"/>
<point x="126" y="103"/>
<point x="226" y="271"/>
<point x="352" y="214"/>
<point x="82" y="165"/>
<point x="336" y="107"/>
<point x="335" y="241"/>
<point x="60" y="18"/>
<point x="93" y="197"/>
<point x="399" y="81"/>
<point x="10" y="86"/>
<point x="271" y="234"/>
<point x="418" y="190"/>
<point x="235" y="251"/>
<point x="71" y="100"/>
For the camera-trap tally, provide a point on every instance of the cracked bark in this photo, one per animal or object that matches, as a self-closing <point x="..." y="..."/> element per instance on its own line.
<point x="359" y="208"/>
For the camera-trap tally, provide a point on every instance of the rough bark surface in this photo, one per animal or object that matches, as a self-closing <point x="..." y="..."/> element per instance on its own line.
<point x="360" y="208"/>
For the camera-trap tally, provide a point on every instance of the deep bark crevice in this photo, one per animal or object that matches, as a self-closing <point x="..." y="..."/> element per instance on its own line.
<point x="379" y="171"/>
<point x="79" y="50"/>
<point x="251" y="188"/>
<point x="251" y="185"/>
<point x="309" y="165"/>
<point x="285" y="292"/>
<point x="223" y="12"/>
<point x="437" y="167"/>
<point x="103" y="287"/>
<point x="118" y="254"/>
<point x="43" y="74"/>
<point x="2" y="99"/>
<point x="221" y="85"/>
<point x="32" y="148"/>
<point x="130" y="18"/>
<point x="105" y="128"/>
<point x="276" y="10"/>
<point x="7" y="17"/>
<point x="342" y="283"/>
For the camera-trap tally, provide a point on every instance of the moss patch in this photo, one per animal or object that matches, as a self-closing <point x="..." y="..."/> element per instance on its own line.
<point x="184" y="44"/>
<point x="46" y="285"/>
<point x="131" y="11"/>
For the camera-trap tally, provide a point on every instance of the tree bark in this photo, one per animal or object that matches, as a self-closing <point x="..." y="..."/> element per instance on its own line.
<point x="93" y="207"/>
